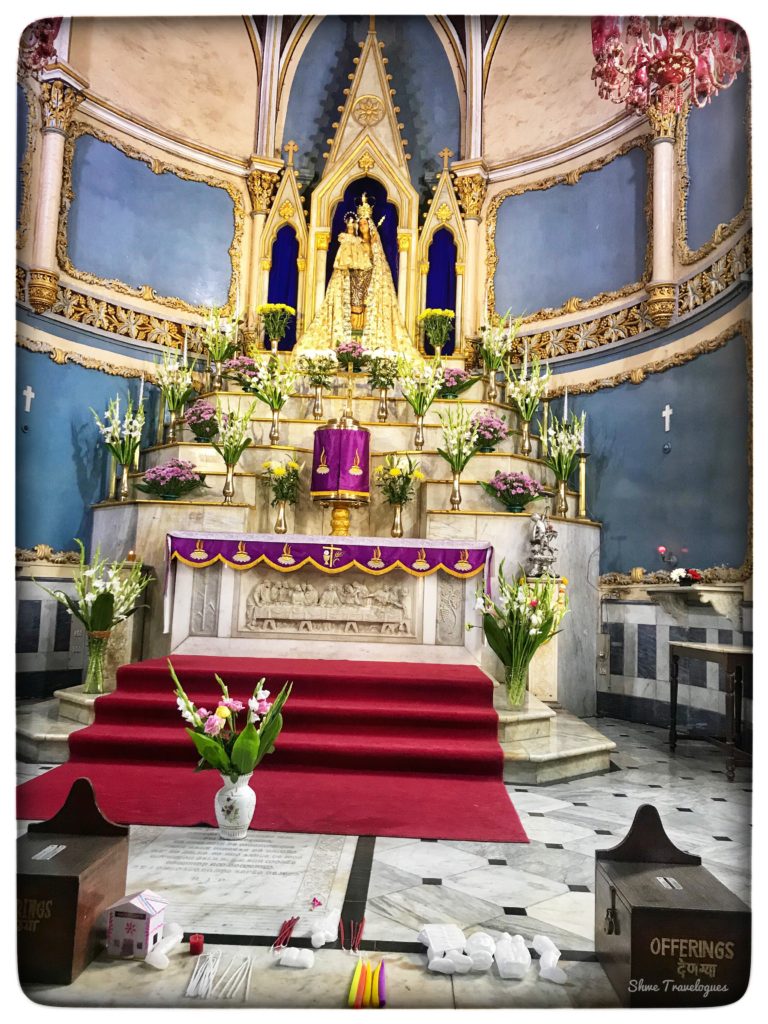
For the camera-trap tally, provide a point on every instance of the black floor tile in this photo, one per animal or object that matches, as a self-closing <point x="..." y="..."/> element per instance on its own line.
<point x="579" y="888"/>
<point x="496" y="860"/>
<point x="603" y="832"/>
<point x="688" y="810"/>
<point x="431" y="881"/>
<point x="429" y="840"/>
<point x="554" y="846"/>
<point x="516" y="911"/>
<point x="536" y="814"/>
<point x="723" y="839"/>
<point x="720" y="799"/>
<point x="577" y="803"/>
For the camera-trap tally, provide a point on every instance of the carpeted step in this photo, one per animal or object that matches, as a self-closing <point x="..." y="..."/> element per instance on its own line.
<point x="307" y="712"/>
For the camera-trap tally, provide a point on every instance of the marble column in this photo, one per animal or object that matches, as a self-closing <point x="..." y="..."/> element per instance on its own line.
<point x="471" y="190"/>
<point x="58" y="101"/>
<point x="404" y="248"/>
<point x="661" y="288"/>
<point x="322" y="241"/>
<point x="262" y="180"/>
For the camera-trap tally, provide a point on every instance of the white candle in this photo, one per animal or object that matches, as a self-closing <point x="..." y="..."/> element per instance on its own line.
<point x="117" y="408"/>
<point x="141" y="390"/>
<point x="525" y="359"/>
<point x="583" y="434"/>
<point x="186" y="338"/>
<point x="565" y="407"/>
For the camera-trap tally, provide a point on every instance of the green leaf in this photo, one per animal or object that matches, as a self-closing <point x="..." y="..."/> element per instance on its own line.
<point x="268" y="735"/>
<point x="103" y="611"/>
<point x="497" y="639"/>
<point x="210" y="751"/>
<point x="245" y="752"/>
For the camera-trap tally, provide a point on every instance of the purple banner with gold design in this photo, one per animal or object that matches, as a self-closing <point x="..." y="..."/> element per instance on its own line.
<point x="340" y="464"/>
<point x="373" y="555"/>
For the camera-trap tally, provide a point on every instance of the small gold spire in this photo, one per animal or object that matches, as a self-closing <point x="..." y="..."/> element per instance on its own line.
<point x="446" y="154"/>
<point x="290" y="148"/>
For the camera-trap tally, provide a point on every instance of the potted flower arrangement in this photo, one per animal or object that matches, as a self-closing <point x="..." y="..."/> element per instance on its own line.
<point x="525" y="391"/>
<point x="241" y="369"/>
<point x="174" y="378"/>
<point x="459" y="445"/>
<point x="351" y="356"/>
<point x="420" y="383"/>
<point x="219" y="338"/>
<point x="527" y="615"/>
<point x="492" y="429"/>
<point x="396" y="478"/>
<point x="320" y="367"/>
<point x="513" y="490"/>
<point x="106" y="595"/>
<point x="234" y="751"/>
<point x="284" y="480"/>
<point x="273" y="383"/>
<point x="275" y="317"/>
<point x="382" y="375"/>
<point x="172" y="479"/>
<point x="686" y="577"/>
<point x="564" y="442"/>
<point x="456" y="381"/>
<point x="437" y="326"/>
<point x="495" y="343"/>
<point x="201" y="420"/>
<point x="122" y="438"/>
<point x="233" y="440"/>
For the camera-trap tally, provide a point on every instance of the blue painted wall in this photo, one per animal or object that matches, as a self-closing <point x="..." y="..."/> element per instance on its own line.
<point x="569" y="240"/>
<point x="142" y="228"/>
<point x="696" y="496"/>
<point x="61" y="465"/>
<point x="421" y="74"/>
<point x="717" y="162"/>
<point x="22" y="117"/>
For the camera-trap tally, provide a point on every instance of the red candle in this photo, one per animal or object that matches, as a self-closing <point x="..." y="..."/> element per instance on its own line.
<point x="196" y="944"/>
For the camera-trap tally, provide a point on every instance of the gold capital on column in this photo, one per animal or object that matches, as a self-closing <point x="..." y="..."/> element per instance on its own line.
<point x="58" y="102"/>
<point x="322" y="239"/>
<point x="43" y="288"/>
<point x="661" y="303"/>
<point x="471" y="190"/>
<point x="403" y="241"/>
<point x="261" y="188"/>
<point x="664" y="123"/>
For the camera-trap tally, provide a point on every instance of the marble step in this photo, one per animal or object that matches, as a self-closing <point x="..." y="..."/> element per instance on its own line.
<point x="531" y="721"/>
<point x="75" y="705"/>
<point x="571" y="749"/>
<point x="41" y="735"/>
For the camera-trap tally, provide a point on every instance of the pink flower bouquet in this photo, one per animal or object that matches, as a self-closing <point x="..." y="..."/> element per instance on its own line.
<point x="491" y="429"/>
<point x="514" y="490"/>
<point x="171" y="479"/>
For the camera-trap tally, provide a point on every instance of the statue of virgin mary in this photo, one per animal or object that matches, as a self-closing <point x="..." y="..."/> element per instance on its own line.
<point x="360" y="302"/>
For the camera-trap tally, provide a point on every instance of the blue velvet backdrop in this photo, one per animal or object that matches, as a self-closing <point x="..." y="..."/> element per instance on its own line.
<point x="61" y="465"/>
<point x="377" y="197"/>
<point x="441" y="281"/>
<point x="22" y="116"/>
<point x="142" y="228"/>
<point x="421" y="74"/>
<point x="717" y="162"/>
<point x="570" y="240"/>
<point x="284" y="277"/>
<point x="695" y="497"/>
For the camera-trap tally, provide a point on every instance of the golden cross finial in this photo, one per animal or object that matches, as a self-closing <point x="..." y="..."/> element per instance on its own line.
<point x="371" y="22"/>
<point x="290" y="148"/>
<point x="446" y="154"/>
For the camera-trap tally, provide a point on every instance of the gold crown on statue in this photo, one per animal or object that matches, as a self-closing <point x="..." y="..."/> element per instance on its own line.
<point x="365" y="209"/>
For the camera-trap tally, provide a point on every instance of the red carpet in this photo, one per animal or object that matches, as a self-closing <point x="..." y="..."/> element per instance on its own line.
<point x="383" y="749"/>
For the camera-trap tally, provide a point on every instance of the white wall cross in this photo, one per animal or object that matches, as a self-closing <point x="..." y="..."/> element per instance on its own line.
<point x="27" y="394"/>
<point x="666" y="415"/>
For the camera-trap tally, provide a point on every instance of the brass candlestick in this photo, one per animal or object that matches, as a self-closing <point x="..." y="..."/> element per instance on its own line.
<point x="543" y="443"/>
<point x="582" y="513"/>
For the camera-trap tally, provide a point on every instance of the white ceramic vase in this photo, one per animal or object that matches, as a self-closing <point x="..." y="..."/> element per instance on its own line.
<point x="235" y="803"/>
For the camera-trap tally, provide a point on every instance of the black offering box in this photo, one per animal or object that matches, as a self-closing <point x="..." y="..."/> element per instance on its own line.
<point x="62" y="898"/>
<point x="667" y="932"/>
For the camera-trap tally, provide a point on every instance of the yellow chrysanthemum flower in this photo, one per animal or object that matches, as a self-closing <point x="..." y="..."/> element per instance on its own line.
<point x="418" y="475"/>
<point x="267" y="465"/>
<point x="395" y="471"/>
<point x="279" y="471"/>
<point x="293" y="465"/>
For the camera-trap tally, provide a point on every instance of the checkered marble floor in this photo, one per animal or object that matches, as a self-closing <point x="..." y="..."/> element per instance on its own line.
<point x="543" y="887"/>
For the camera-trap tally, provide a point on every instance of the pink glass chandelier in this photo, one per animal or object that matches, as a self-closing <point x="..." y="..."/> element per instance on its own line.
<point x="665" y="61"/>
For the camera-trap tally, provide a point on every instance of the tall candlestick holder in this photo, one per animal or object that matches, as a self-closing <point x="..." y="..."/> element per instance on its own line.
<point x="582" y="513"/>
<point x="544" y="444"/>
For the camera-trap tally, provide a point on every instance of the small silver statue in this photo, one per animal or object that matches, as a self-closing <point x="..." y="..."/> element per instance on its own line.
<point x="543" y="552"/>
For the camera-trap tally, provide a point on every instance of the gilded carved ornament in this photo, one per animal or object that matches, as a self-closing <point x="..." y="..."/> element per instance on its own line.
<point x="571" y="177"/>
<point x="368" y="111"/>
<point x="322" y="240"/>
<point x="25" y="171"/>
<point x="42" y="288"/>
<point x="661" y="303"/>
<point x="722" y="232"/>
<point x="664" y="123"/>
<point x="366" y="163"/>
<point x="403" y="241"/>
<point x="287" y="210"/>
<point x="158" y="167"/>
<point x="45" y="553"/>
<point x="301" y="264"/>
<point x="21" y="284"/>
<point x="62" y="356"/>
<point x="58" y="103"/>
<point x="471" y="189"/>
<point x="261" y="188"/>
<point x="443" y="213"/>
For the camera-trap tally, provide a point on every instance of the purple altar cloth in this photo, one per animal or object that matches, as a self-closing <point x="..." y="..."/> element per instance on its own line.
<point x="288" y="553"/>
<point x="341" y="464"/>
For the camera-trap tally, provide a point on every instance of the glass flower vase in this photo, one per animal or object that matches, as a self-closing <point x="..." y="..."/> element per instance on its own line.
<point x="516" y="680"/>
<point x="97" y="648"/>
